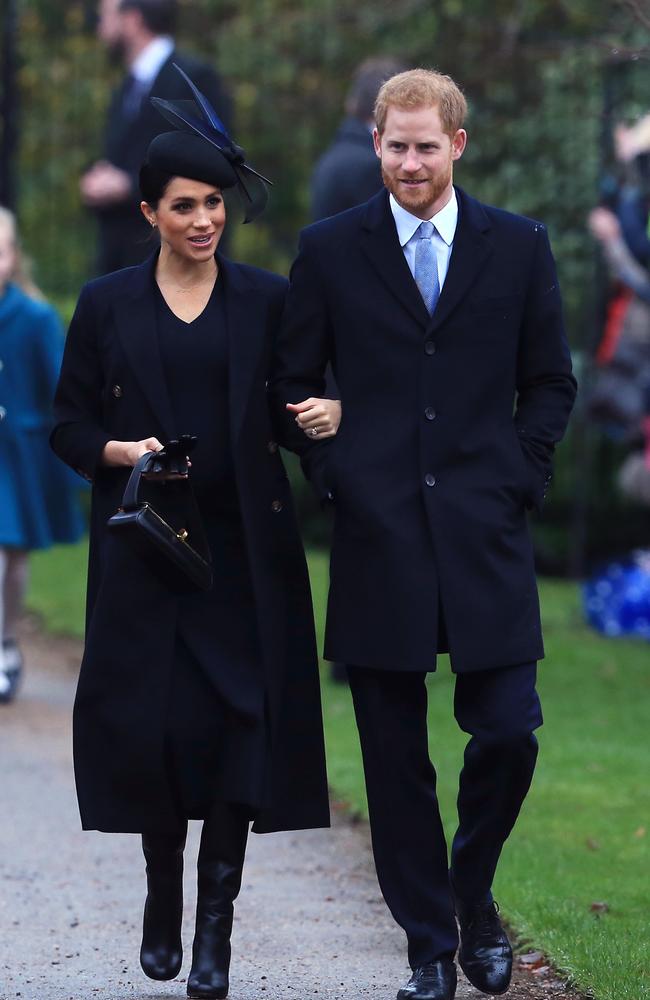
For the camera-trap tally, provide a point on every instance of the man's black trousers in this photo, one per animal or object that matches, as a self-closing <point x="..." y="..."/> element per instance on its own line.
<point x="499" y="709"/>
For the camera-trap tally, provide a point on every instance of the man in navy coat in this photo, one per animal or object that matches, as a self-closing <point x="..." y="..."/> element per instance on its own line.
<point x="442" y="320"/>
<point x="138" y="33"/>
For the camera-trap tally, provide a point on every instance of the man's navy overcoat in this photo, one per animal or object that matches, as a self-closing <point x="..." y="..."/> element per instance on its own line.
<point x="449" y="424"/>
<point x="113" y="386"/>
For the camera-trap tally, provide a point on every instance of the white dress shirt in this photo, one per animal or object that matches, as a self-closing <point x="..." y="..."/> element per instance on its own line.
<point x="442" y="240"/>
<point x="147" y="65"/>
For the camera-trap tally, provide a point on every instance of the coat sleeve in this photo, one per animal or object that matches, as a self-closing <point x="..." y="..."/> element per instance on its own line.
<point x="302" y="351"/>
<point x="546" y="387"/>
<point x="78" y="436"/>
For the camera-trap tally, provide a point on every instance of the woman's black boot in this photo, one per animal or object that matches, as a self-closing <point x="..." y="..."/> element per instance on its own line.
<point x="221" y="859"/>
<point x="161" y="954"/>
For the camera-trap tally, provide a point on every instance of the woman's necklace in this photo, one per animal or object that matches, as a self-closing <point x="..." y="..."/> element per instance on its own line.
<point x="188" y="288"/>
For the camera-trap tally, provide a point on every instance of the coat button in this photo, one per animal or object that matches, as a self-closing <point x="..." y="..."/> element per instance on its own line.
<point x="3" y="413"/>
<point x="117" y="391"/>
<point x="272" y="447"/>
<point x="2" y="364"/>
<point x="429" y="479"/>
<point x="430" y="413"/>
<point x="429" y="347"/>
<point x="276" y="506"/>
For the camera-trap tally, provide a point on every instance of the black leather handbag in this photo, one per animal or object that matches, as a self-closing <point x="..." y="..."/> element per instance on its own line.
<point x="171" y="553"/>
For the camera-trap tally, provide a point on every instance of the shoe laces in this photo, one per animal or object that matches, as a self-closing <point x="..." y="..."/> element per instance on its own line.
<point x="430" y="969"/>
<point x="485" y="919"/>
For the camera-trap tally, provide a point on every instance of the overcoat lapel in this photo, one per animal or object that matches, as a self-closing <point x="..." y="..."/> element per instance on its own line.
<point x="470" y="252"/>
<point x="135" y="320"/>
<point x="468" y="257"/>
<point x="380" y="243"/>
<point x="246" y="324"/>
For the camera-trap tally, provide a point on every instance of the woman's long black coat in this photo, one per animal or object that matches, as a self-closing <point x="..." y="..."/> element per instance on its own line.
<point x="112" y="387"/>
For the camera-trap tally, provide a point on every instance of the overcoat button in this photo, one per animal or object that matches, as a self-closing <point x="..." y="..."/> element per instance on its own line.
<point x="117" y="391"/>
<point x="276" y="506"/>
<point x="430" y="413"/>
<point x="429" y="347"/>
<point x="272" y="447"/>
<point x="3" y="413"/>
<point x="2" y="364"/>
<point x="429" y="479"/>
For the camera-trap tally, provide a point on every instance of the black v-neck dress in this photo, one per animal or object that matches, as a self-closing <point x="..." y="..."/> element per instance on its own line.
<point x="216" y="724"/>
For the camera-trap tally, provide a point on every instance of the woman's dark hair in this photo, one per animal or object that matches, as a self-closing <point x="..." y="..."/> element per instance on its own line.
<point x="159" y="16"/>
<point x="153" y="183"/>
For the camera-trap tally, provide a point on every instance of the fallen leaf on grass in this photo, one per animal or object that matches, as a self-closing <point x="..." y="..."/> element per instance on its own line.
<point x="592" y="844"/>
<point x="531" y="959"/>
<point x="599" y="907"/>
<point x="641" y="832"/>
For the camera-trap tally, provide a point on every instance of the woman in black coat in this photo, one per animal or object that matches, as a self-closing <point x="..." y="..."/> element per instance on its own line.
<point x="200" y="705"/>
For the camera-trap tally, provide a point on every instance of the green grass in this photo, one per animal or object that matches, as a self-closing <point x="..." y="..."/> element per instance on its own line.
<point x="584" y="834"/>
<point x="57" y="587"/>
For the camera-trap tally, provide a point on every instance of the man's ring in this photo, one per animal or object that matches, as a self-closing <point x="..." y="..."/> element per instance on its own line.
<point x="314" y="432"/>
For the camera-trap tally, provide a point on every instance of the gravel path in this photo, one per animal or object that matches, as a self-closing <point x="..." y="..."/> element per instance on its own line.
<point x="309" y="921"/>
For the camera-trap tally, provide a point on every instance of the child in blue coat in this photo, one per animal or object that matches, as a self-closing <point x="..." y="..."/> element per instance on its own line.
<point x="38" y="502"/>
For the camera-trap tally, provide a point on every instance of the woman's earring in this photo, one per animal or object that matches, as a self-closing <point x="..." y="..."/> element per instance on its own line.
<point x="153" y="223"/>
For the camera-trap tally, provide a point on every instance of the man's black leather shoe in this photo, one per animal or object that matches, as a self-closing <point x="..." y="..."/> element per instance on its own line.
<point x="435" y="981"/>
<point x="485" y="955"/>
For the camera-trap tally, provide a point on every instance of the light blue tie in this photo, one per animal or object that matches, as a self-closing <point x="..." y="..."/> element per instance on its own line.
<point x="426" y="266"/>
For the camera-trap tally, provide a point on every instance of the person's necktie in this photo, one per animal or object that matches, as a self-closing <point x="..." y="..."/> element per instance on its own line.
<point x="426" y="266"/>
<point x="134" y="91"/>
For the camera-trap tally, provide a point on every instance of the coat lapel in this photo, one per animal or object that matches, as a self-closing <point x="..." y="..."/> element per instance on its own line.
<point x="380" y="243"/>
<point x="246" y="323"/>
<point x="469" y="254"/>
<point x="135" y="320"/>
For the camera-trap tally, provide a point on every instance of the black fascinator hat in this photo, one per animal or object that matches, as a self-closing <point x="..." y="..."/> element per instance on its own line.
<point x="202" y="150"/>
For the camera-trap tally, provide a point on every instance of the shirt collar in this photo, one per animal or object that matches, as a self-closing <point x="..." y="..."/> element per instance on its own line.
<point x="146" y="67"/>
<point x="445" y="220"/>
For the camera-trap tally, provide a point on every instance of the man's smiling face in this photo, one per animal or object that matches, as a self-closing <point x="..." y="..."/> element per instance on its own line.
<point x="417" y="158"/>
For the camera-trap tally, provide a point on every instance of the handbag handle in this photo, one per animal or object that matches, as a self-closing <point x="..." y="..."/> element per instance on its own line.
<point x="131" y="499"/>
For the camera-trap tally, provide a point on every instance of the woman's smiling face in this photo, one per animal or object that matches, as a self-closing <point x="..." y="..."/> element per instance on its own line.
<point x="190" y="217"/>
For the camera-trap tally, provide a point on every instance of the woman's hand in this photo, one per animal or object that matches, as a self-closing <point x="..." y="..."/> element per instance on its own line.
<point x="318" y="418"/>
<point x="117" y="453"/>
<point x="128" y="452"/>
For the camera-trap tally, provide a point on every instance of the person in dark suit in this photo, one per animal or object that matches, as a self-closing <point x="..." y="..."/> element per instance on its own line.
<point x="200" y="705"/>
<point x="348" y="172"/>
<point x="442" y="319"/>
<point x="139" y="34"/>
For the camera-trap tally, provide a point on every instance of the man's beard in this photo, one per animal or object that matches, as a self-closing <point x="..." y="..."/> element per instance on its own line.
<point x="436" y="185"/>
